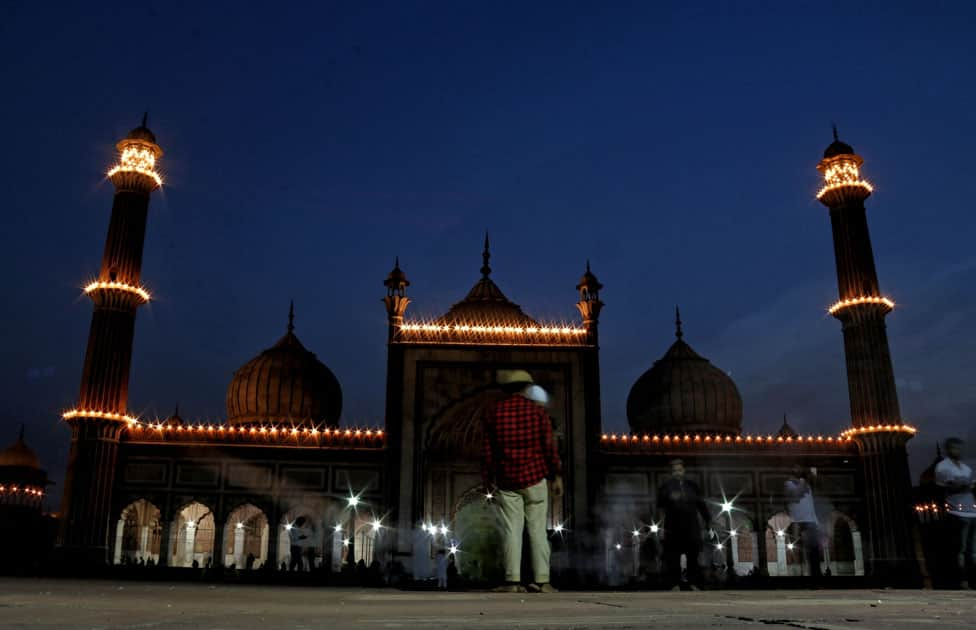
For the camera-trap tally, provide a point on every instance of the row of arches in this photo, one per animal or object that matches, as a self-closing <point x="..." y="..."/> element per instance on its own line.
<point x="302" y="540"/>
<point x="737" y="548"/>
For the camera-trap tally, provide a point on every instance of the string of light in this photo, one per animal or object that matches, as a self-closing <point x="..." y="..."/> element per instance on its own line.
<point x="864" y="299"/>
<point x="116" y="286"/>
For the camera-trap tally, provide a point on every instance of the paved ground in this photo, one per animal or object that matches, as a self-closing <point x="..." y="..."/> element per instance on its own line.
<point x="104" y="604"/>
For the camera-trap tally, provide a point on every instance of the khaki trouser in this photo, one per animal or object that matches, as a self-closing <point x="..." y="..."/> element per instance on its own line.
<point x="527" y="507"/>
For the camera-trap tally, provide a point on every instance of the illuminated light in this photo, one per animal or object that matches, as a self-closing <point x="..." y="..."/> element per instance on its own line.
<point x="780" y="533"/>
<point x="376" y="525"/>
<point x="604" y="437"/>
<point x="489" y="496"/>
<point x="558" y="528"/>
<point x="465" y="331"/>
<point x="288" y="527"/>
<point x="345" y="542"/>
<point x="453" y="549"/>
<point x="102" y="415"/>
<point x="864" y="299"/>
<point x="840" y="172"/>
<point x="719" y="546"/>
<point x="352" y="501"/>
<point x="618" y="546"/>
<point x="190" y="524"/>
<point x="727" y="506"/>
<point x="655" y="529"/>
<point x="315" y="431"/>
<point x="240" y="526"/>
<point x="294" y="431"/>
<point x="137" y="157"/>
<point x="790" y="546"/>
<point x="337" y="529"/>
<point x="117" y="286"/>
<point x="636" y="532"/>
<point x="733" y="533"/>
<point x="442" y="530"/>
<point x="879" y="428"/>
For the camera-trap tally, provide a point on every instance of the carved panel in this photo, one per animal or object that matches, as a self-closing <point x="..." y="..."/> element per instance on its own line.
<point x="306" y="478"/>
<point x="145" y="472"/>
<point x="197" y="474"/>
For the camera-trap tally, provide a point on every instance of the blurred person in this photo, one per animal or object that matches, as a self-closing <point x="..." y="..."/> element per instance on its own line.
<point x="680" y="505"/>
<point x="956" y="479"/>
<point x="520" y="459"/>
<point x="798" y="489"/>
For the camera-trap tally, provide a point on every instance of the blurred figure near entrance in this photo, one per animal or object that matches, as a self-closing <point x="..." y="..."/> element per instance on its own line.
<point x="956" y="479"/>
<point x="799" y="496"/>
<point x="680" y="505"/>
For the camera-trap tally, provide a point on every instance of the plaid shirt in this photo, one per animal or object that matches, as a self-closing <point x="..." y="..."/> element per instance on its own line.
<point x="519" y="449"/>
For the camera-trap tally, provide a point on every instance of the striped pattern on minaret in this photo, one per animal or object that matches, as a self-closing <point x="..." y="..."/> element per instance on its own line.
<point x="861" y="307"/>
<point x="116" y="295"/>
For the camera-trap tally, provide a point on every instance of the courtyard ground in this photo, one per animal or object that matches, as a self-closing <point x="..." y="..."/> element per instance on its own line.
<point x="57" y="603"/>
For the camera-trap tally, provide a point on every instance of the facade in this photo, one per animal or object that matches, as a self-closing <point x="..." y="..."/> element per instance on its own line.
<point x="281" y="485"/>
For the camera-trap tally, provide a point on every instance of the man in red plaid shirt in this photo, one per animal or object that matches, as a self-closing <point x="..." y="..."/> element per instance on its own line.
<point x="520" y="458"/>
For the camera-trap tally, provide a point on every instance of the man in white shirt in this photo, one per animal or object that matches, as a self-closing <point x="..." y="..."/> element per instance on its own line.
<point x="799" y="496"/>
<point x="957" y="479"/>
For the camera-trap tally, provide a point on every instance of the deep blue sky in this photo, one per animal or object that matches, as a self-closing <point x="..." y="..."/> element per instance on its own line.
<point x="306" y="147"/>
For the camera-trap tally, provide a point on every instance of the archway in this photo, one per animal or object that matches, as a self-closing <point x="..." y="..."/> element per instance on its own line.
<point x="246" y="538"/>
<point x="193" y="536"/>
<point x="478" y="539"/>
<point x="843" y="551"/>
<point x="783" y="551"/>
<point x="138" y="534"/>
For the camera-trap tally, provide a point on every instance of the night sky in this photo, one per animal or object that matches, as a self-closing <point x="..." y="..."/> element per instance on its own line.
<point x="674" y="147"/>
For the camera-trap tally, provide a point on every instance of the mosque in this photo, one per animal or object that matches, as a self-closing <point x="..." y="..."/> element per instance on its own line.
<point x="179" y="493"/>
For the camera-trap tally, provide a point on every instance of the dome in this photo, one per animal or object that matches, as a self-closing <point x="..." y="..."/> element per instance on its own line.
<point x="20" y="455"/>
<point x="485" y="304"/>
<point x="142" y="132"/>
<point x="285" y="383"/>
<point x="684" y="393"/>
<point x="837" y="147"/>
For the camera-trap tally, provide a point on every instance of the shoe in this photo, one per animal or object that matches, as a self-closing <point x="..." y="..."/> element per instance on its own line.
<point x="509" y="588"/>
<point x="676" y="589"/>
<point x="545" y="587"/>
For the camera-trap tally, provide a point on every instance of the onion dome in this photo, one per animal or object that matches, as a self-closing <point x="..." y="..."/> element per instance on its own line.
<point x="142" y="131"/>
<point x="284" y="384"/>
<point x="684" y="393"/>
<point x="485" y="304"/>
<point x="837" y="147"/>
<point x="589" y="281"/>
<point x="19" y="454"/>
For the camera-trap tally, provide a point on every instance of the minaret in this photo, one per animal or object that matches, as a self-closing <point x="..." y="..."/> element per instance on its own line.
<point x="589" y="304"/>
<point x="97" y="421"/>
<point x="876" y="421"/>
<point x="396" y="299"/>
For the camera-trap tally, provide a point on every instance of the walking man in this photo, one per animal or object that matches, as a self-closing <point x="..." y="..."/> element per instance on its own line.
<point x="519" y="461"/>
<point x="680" y="504"/>
<point x="956" y="478"/>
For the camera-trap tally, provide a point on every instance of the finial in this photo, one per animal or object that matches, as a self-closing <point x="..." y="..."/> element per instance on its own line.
<point x="396" y="263"/>
<point x="291" y="316"/>
<point x="176" y="412"/>
<point x="834" y="127"/>
<point x="677" y="322"/>
<point x="21" y="436"/>
<point x="587" y="265"/>
<point x="485" y="269"/>
<point x="145" y="119"/>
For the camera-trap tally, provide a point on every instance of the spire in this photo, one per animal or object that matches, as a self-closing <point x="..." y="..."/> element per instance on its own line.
<point x="587" y="265"/>
<point x="396" y="262"/>
<point x="833" y="126"/>
<point x="176" y="411"/>
<point x="677" y="323"/>
<point x="485" y="255"/>
<point x="291" y="317"/>
<point x="145" y="119"/>
<point x="20" y="438"/>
